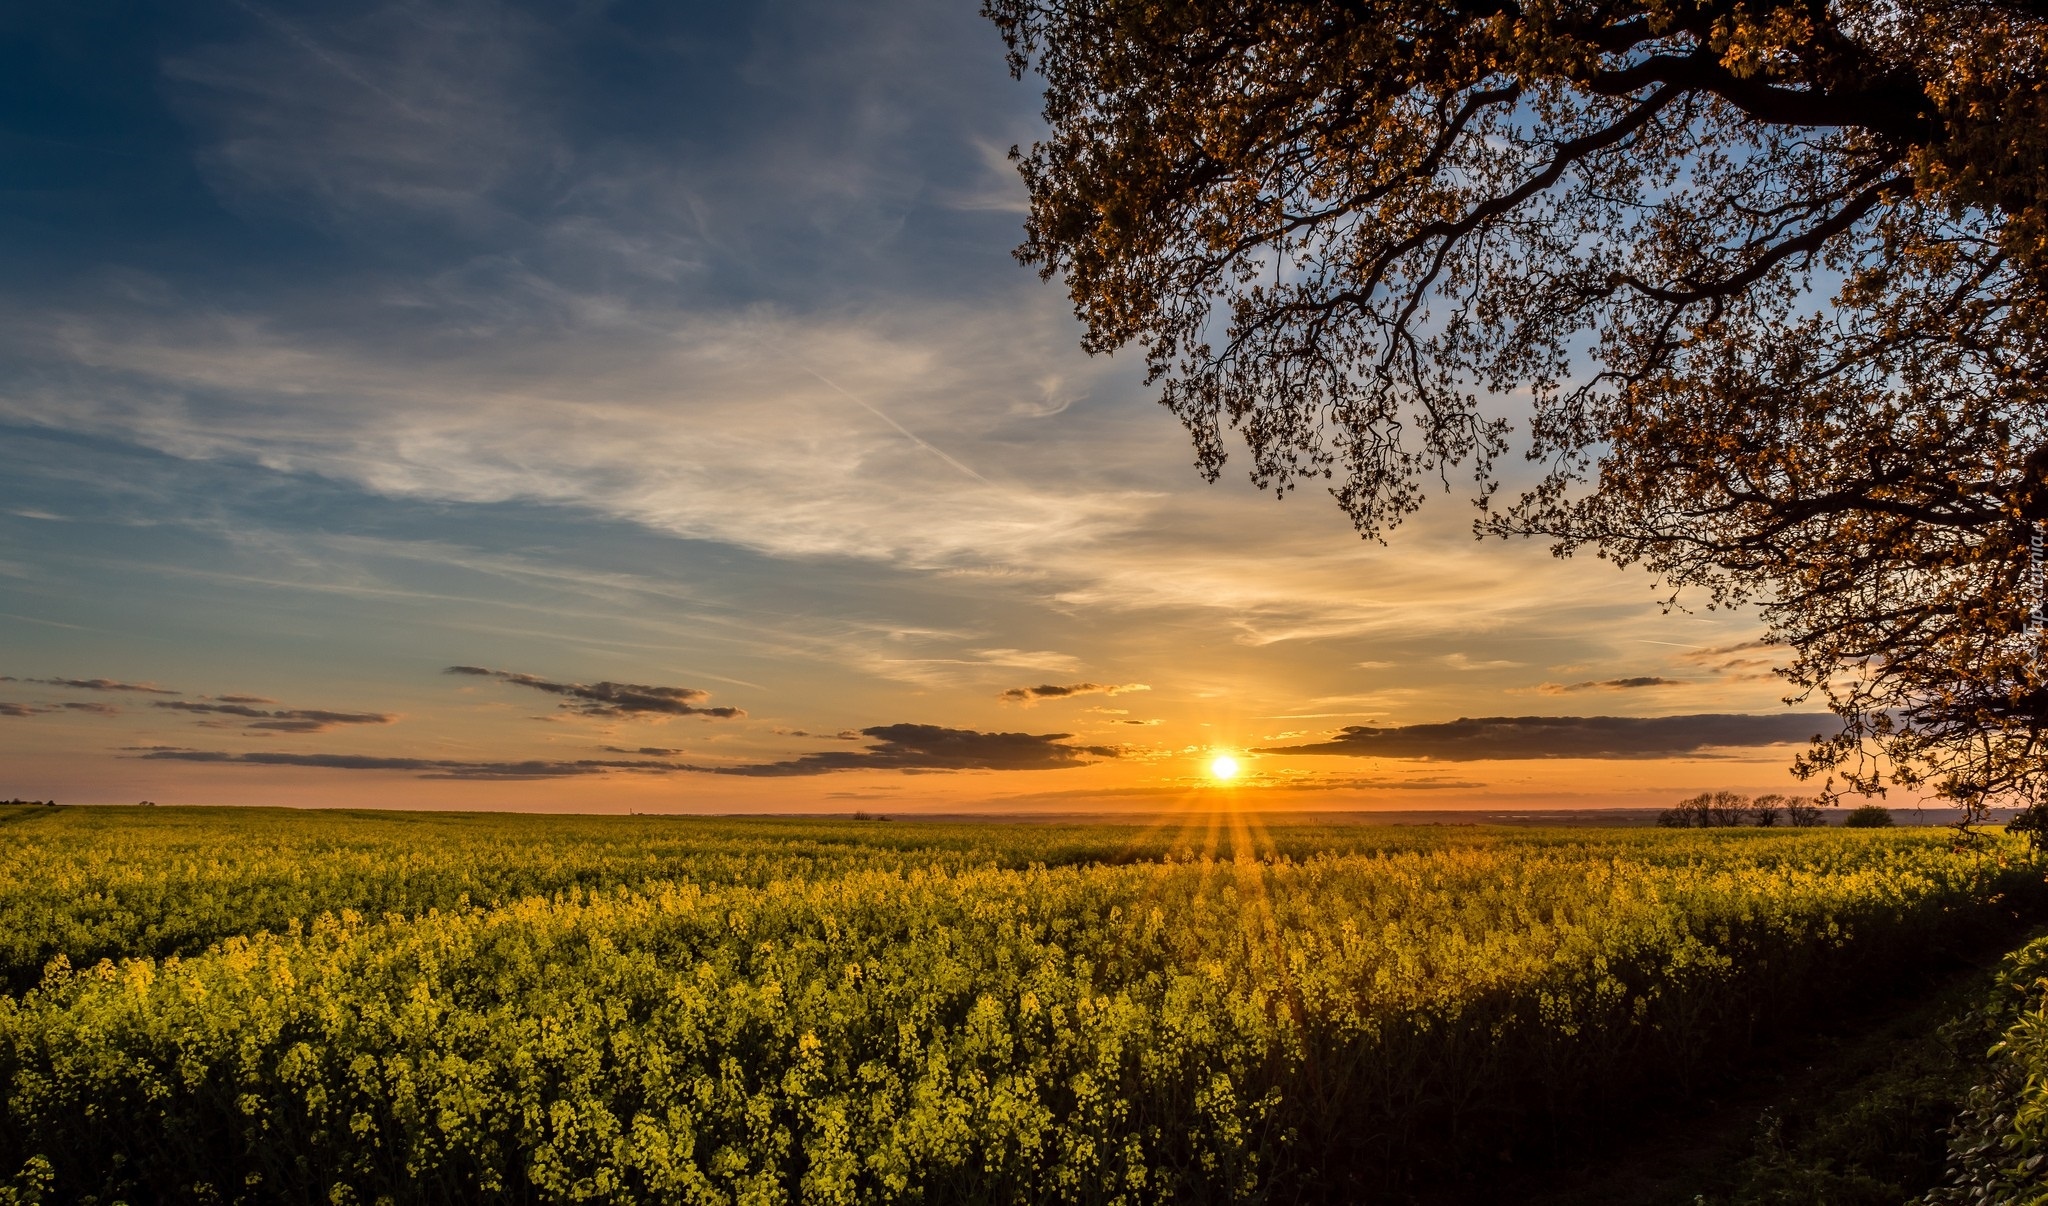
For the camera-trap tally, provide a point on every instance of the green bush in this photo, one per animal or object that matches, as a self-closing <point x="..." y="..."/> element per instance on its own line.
<point x="1998" y="1150"/>
<point x="1870" y="816"/>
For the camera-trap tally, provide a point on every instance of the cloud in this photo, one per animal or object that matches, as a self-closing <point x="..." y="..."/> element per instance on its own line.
<point x="512" y="375"/>
<point x="1751" y="661"/>
<point x="926" y="747"/>
<point x="283" y="720"/>
<point x="1504" y="737"/>
<point x="1611" y="684"/>
<point x="22" y="709"/>
<point x="1459" y="661"/>
<point x="827" y="477"/>
<point x="1188" y="788"/>
<point x="426" y="768"/>
<point x="245" y="699"/>
<point x="911" y="748"/>
<point x="526" y="408"/>
<point x="651" y="751"/>
<point x="1031" y="695"/>
<point x="612" y="699"/>
<point x="967" y="666"/>
<point x="841" y="735"/>
<point x="375" y="112"/>
<point x="492" y="371"/>
<point x="1334" y="783"/>
<point x="94" y="684"/>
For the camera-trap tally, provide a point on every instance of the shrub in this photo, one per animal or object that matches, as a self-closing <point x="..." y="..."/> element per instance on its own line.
<point x="1999" y="1144"/>
<point x="1870" y="816"/>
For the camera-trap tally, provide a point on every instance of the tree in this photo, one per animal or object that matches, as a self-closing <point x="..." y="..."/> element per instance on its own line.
<point x="1870" y="816"/>
<point x="1720" y="809"/>
<point x="1803" y="812"/>
<point x="1770" y="275"/>
<point x="1686" y="814"/>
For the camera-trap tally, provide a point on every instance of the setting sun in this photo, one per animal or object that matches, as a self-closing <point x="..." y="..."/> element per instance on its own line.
<point x="1223" y="767"/>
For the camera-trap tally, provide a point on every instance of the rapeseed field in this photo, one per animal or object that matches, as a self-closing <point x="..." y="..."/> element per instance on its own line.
<point x="265" y="1006"/>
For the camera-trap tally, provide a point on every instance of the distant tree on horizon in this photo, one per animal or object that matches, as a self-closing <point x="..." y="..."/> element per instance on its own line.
<point x="1718" y="809"/>
<point x="1804" y="812"/>
<point x="1770" y="278"/>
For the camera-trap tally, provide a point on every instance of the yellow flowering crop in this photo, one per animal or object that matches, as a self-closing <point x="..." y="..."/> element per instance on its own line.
<point x="346" y="1008"/>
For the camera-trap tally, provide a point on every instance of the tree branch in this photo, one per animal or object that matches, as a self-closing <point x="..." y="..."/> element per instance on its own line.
<point x="1886" y="107"/>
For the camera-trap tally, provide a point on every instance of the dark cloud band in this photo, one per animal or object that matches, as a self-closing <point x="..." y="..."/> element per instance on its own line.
<point x="425" y="768"/>
<point x="1515" y="737"/>
<point x="924" y="748"/>
<point x="1030" y="695"/>
<point x="22" y="709"/>
<point x="611" y="699"/>
<point x="909" y="748"/>
<point x="927" y="747"/>
<point x="94" y="684"/>
<point x="1610" y="684"/>
<point x="281" y="720"/>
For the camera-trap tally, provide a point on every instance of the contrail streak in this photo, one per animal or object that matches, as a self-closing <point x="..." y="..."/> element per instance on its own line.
<point x="341" y="66"/>
<point x="908" y="434"/>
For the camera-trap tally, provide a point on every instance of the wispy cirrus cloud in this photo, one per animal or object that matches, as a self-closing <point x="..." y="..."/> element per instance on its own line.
<point x="372" y="113"/>
<point x="613" y="700"/>
<point x="1752" y="660"/>
<point x="1464" y="661"/>
<point x="1520" y="737"/>
<point x="467" y="420"/>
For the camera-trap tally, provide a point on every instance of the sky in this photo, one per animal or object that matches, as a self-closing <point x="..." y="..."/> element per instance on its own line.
<point x="636" y="407"/>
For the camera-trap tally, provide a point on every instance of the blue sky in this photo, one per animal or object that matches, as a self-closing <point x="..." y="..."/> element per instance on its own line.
<point x="681" y="347"/>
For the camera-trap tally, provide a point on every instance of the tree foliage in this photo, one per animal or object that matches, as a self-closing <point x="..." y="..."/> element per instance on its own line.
<point x="1768" y="275"/>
